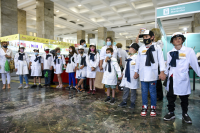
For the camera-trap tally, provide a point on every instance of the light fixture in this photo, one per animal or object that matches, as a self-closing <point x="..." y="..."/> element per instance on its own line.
<point x="57" y="11"/>
<point x="78" y="20"/>
<point x="79" y="5"/>
<point x="185" y="29"/>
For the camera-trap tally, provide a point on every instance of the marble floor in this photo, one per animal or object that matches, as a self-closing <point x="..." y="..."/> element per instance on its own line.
<point x="65" y="111"/>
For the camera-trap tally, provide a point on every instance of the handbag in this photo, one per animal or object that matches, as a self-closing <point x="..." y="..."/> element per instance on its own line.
<point x="12" y="64"/>
<point x="7" y="67"/>
<point x="98" y="80"/>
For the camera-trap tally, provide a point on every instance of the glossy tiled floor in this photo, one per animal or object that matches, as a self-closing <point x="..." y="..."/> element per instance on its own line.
<point x="63" y="111"/>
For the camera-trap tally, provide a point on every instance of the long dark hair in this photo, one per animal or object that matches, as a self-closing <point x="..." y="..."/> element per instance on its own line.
<point x="56" y="50"/>
<point x="73" y="50"/>
<point x="95" y="50"/>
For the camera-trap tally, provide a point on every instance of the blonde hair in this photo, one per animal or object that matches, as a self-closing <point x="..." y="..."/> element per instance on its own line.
<point x="157" y="34"/>
<point x="119" y="45"/>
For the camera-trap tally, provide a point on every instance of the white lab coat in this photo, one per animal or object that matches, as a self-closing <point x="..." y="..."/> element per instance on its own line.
<point x="160" y="43"/>
<point x="90" y="64"/>
<point x="124" y="56"/>
<point x="3" y="59"/>
<point x="110" y="78"/>
<point x="134" y="84"/>
<point x="181" y="79"/>
<point x="77" y="71"/>
<point x="36" y="67"/>
<point x="149" y="73"/>
<point x="115" y="53"/>
<point x="59" y="67"/>
<point x="82" y="72"/>
<point x="72" y="65"/>
<point x="48" y="62"/>
<point x="21" y="66"/>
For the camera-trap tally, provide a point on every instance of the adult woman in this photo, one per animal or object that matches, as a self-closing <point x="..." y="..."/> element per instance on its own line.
<point x="158" y="42"/>
<point x="116" y="53"/>
<point x="5" y="54"/>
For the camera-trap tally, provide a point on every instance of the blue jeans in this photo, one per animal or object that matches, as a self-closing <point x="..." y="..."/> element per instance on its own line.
<point x="47" y="79"/>
<point x="72" y="78"/>
<point x="151" y="87"/>
<point x="21" y="78"/>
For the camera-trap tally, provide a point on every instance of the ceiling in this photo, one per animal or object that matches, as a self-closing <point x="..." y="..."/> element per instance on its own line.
<point x="124" y="17"/>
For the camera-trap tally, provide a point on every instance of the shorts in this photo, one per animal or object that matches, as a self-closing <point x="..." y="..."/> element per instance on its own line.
<point x="110" y="86"/>
<point x="80" y="77"/>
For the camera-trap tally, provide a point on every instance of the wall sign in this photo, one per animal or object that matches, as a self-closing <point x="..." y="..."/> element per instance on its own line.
<point x="179" y="9"/>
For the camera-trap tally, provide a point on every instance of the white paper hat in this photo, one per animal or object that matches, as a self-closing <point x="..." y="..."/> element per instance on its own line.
<point x="92" y="44"/>
<point x="21" y="46"/>
<point x="46" y="48"/>
<point x="80" y="47"/>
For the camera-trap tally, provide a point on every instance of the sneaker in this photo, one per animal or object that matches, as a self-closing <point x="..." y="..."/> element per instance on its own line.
<point x="153" y="111"/>
<point x="144" y="110"/>
<point x="34" y="86"/>
<point x="93" y="93"/>
<point x="122" y="104"/>
<point x="187" y="118"/>
<point x="132" y="106"/>
<point x="112" y="101"/>
<point x="45" y="85"/>
<point x="107" y="99"/>
<point x="73" y="88"/>
<point x="82" y="90"/>
<point x="169" y="116"/>
<point x="26" y="87"/>
<point x="20" y="87"/>
<point x="58" y="86"/>
<point x="90" y="91"/>
<point x="77" y="89"/>
<point x="68" y="87"/>
<point x="40" y="86"/>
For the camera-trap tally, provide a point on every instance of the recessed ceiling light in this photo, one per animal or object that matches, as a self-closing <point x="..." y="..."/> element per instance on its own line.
<point x="57" y="11"/>
<point x="79" y="5"/>
<point x="185" y="29"/>
<point x="78" y="20"/>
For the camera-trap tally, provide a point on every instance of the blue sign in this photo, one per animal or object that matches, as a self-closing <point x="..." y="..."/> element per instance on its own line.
<point x="179" y="9"/>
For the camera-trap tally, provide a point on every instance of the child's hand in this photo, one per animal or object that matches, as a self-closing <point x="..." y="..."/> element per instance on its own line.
<point x="54" y="70"/>
<point x="93" y="69"/>
<point x="51" y="68"/>
<point x="136" y="75"/>
<point x="120" y="78"/>
<point x="65" y="66"/>
<point x="101" y="68"/>
<point x="77" y="68"/>
<point x="162" y="76"/>
<point x="29" y="68"/>
<point x="74" y="69"/>
<point x="107" y="58"/>
<point x="16" y="69"/>
<point x="82" y="67"/>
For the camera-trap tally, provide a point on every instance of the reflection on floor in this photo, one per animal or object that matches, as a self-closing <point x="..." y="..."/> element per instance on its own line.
<point x="62" y="111"/>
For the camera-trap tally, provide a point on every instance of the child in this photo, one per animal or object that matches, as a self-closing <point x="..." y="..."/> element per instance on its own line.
<point x="21" y="66"/>
<point x="47" y="66"/>
<point x="111" y="68"/>
<point x="59" y="61"/>
<point x="149" y="57"/>
<point x="128" y="81"/>
<point x="92" y="66"/>
<point x="82" y="67"/>
<point x="178" y="61"/>
<point x="36" y="67"/>
<point x="71" y="67"/>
